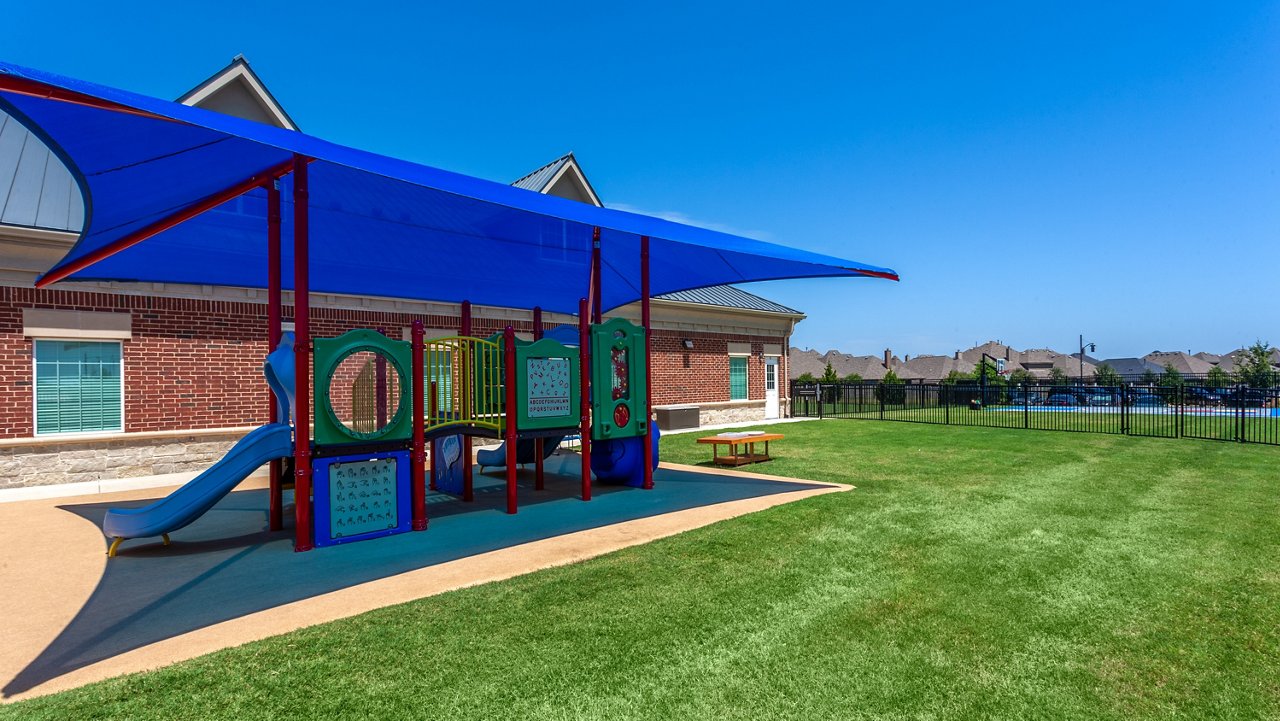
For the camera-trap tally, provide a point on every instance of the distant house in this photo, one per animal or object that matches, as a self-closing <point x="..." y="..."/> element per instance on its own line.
<point x="1184" y="363"/>
<point x="1132" y="367"/>
<point x="934" y="367"/>
<point x="867" y="367"/>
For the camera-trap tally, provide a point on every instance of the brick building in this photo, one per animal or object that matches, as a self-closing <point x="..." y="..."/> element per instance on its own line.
<point x="110" y="381"/>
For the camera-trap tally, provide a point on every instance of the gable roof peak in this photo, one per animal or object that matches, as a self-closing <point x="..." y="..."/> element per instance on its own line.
<point x="238" y="72"/>
<point x="564" y="169"/>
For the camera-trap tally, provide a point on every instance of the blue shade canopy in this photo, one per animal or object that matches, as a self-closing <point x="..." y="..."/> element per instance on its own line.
<point x="378" y="226"/>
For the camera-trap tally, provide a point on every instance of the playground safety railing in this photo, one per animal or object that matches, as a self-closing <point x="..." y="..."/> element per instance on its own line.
<point x="465" y="375"/>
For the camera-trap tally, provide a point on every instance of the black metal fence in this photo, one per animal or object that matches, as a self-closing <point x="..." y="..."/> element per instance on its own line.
<point x="1243" y="414"/>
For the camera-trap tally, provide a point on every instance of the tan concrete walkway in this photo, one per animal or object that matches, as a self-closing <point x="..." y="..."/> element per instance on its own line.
<point x="52" y="561"/>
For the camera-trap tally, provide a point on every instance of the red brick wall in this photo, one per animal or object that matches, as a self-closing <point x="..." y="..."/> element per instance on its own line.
<point x="198" y="363"/>
<point x="701" y="375"/>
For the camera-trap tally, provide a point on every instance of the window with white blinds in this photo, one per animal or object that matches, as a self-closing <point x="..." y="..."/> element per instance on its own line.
<point x="737" y="378"/>
<point x="79" y="386"/>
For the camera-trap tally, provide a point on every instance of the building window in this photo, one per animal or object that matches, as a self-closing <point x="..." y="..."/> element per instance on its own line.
<point x="79" y="386"/>
<point x="439" y="370"/>
<point x="737" y="378"/>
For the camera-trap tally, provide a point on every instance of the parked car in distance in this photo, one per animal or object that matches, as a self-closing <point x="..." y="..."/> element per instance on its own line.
<point x="1099" y="397"/>
<point x="1061" y="398"/>
<point x="1200" y="396"/>
<point x="1245" y="398"/>
<point x="1147" y="399"/>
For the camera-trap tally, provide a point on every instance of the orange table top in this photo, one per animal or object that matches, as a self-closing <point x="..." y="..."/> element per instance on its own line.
<point x="736" y="440"/>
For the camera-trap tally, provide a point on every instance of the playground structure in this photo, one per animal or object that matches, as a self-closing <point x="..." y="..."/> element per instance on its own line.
<point x="151" y="170"/>
<point x="372" y="419"/>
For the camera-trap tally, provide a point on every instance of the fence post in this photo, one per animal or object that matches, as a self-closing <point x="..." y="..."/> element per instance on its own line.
<point x="819" y="386"/>
<point x="1124" y="409"/>
<point x="1241" y="396"/>
<point x="1182" y="410"/>
<point x="1026" y="406"/>
<point x="884" y="390"/>
<point x="946" y="404"/>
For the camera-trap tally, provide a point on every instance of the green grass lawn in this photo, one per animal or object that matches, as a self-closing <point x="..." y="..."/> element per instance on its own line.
<point x="974" y="573"/>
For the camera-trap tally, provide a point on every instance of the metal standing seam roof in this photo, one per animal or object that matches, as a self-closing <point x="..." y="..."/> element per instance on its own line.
<point x="727" y="296"/>
<point x="378" y="225"/>
<point x="538" y="179"/>
<point x="36" y="189"/>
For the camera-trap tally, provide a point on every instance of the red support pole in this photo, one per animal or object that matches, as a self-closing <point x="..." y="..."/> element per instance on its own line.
<point x="509" y="360"/>
<point x="253" y="181"/>
<point x="597" y="312"/>
<point x="302" y="357"/>
<point x="419" y="460"/>
<point x="275" y="504"/>
<point x="584" y="392"/>
<point x="646" y="323"/>
<point x="540" y="472"/>
<point x="468" y="491"/>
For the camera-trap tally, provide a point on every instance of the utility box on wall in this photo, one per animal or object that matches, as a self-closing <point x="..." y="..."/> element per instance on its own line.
<point x="618" y="399"/>
<point x="678" y="417"/>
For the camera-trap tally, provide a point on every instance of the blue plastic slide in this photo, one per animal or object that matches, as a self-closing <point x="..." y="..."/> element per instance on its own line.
<point x="262" y="445"/>
<point x="497" y="457"/>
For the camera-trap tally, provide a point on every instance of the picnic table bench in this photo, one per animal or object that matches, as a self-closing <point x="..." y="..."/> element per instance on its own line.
<point x="733" y="441"/>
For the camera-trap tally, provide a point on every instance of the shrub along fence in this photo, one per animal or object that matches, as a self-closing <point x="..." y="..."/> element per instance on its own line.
<point x="1241" y="413"/>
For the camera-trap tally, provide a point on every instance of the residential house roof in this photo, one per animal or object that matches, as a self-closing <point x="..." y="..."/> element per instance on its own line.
<point x="934" y="367"/>
<point x="1132" y="366"/>
<point x="867" y="367"/>
<point x="1184" y="363"/>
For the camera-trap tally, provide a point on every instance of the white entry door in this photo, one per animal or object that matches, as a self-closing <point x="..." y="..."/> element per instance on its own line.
<point x="770" y="387"/>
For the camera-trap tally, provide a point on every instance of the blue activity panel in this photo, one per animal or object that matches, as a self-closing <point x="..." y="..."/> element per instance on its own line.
<point x="361" y="496"/>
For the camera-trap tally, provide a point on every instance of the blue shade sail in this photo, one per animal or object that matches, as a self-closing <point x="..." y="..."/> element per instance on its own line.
<point x="379" y="226"/>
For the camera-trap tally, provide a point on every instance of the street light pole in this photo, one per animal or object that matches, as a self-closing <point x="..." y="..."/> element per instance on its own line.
<point x="1093" y="348"/>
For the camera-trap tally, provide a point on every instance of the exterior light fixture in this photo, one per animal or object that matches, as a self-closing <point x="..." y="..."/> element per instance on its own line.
<point x="687" y="343"/>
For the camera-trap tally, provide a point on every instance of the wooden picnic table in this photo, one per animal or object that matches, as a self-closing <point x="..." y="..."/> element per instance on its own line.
<point x="734" y="458"/>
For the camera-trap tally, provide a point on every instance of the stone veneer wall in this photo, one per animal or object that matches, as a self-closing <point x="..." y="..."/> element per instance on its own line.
<point x="43" y="463"/>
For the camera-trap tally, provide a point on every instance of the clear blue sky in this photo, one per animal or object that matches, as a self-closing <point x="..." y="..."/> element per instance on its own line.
<point x="1033" y="173"/>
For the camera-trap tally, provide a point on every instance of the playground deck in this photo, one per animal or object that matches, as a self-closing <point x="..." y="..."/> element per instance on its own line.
<point x="226" y="580"/>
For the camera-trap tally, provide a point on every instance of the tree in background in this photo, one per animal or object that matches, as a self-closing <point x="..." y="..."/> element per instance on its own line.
<point x="853" y="378"/>
<point x="1167" y="385"/>
<point x="806" y="378"/>
<point x="1254" y="368"/>
<point x="829" y="375"/>
<point x="1020" y="376"/>
<point x="1148" y="378"/>
<point x="1058" y="377"/>
<point x="956" y="376"/>
<point x="891" y="389"/>
<point x="1217" y="378"/>
<point x="993" y="376"/>
<point x="1105" y="375"/>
